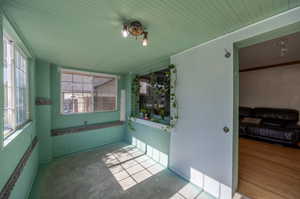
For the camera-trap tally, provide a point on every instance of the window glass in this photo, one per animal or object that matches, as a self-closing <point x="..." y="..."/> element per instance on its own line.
<point x="85" y="92"/>
<point x="16" y="112"/>
<point x="154" y="96"/>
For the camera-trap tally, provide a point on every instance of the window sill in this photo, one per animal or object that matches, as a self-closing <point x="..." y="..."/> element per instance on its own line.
<point x="15" y="134"/>
<point x="82" y="113"/>
<point x="149" y="123"/>
<point x="88" y="127"/>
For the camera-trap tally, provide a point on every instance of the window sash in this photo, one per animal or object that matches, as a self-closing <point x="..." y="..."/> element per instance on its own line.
<point x="21" y="89"/>
<point x="16" y="87"/>
<point x="78" y="93"/>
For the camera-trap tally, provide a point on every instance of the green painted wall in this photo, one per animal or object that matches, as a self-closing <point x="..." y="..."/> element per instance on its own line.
<point x="62" y="121"/>
<point x="153" y="137"/>
<point x="11" y="154"/>
<point x="25" y="183"/>
<point x="66" y="144"/>
<point x="43" y="112"/>
<point x="49" y="117"/>
<point x="82" y="141"/>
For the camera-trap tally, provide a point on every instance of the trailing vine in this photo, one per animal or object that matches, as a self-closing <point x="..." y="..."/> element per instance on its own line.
<point x="135" y="87"/>
<point x="168" y="86"/>
<point x="173" y="99"/>
<point x="135" y="95"/>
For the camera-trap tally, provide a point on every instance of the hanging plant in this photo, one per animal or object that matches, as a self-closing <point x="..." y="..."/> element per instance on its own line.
<point x="135" y="87"/>
<point x="173" y="100"/>
<point x="130" y="125"/>
<point x="160" y="88"/>
<point x="135" y="95"/>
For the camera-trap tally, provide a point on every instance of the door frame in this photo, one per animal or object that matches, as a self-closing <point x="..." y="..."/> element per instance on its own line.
<point x="275" y="33"/>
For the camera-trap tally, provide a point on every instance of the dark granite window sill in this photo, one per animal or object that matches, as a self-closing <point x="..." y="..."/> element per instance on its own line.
<point x="88" y="127"/>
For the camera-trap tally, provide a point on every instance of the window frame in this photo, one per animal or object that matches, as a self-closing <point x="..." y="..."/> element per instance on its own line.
<point x="61" y="105"/>
<point x="145" y="78"/>
<point x="16" y="127"/>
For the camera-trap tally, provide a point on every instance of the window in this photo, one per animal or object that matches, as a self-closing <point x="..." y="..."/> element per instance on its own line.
<point x="16" y="95"/>
<point x="154" y="96"/>
<point x="84" y="92"/>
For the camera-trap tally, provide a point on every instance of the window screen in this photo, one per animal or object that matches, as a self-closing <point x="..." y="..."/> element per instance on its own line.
<point x="84" y="92"/>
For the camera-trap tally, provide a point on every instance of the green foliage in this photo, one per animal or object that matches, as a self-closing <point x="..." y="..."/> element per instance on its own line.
<point x="135" y="87"/>
<point x="130" y="125"/>
<point x="169" y="86"/>
<point x="143" y="110"/>
<point x="162" y="113"/>
<point x="173" y="100"/>
<point x="171" y="66"/>
<point x="155" y="120"/>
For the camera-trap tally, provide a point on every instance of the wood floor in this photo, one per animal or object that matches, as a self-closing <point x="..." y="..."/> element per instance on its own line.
<point x="268" y="171"/>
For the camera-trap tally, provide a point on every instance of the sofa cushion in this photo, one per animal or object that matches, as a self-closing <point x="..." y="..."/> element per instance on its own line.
<point x="245" y="112"/>
<point x="277" y="133"/>
<point x="274" y="123"/>
<point x="276" y="114"/>
<point x="251" y="120"/>
<point x="243" y="128"/>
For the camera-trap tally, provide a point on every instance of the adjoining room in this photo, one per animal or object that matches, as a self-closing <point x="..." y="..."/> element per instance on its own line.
<point x="269" y="144"/>
<point x="140" y="99"/>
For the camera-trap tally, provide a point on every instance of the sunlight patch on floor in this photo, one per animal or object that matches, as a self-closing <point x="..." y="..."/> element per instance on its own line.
<point x="130" y="166"/>
<point x="190" y="191"/>
<point x="209" y="184"/>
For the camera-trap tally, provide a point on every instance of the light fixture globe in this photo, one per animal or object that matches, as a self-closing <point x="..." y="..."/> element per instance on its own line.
<point x="135" y="29"/>
<point x="145" y="39"/>
<point x="125" y="32"/>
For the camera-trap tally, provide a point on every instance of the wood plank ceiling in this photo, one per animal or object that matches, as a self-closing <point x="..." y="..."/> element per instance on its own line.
<point x="86" y="33"/>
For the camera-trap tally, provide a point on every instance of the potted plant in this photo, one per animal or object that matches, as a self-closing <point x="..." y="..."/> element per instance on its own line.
<point x="144" y="113"/>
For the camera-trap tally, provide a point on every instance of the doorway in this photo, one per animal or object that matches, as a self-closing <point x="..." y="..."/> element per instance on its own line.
<point x="266" y="167"/>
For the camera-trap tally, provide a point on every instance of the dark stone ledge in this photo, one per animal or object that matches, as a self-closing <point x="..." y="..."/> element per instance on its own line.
<point x="8" y="187"/>
<point x="88" y="127"/>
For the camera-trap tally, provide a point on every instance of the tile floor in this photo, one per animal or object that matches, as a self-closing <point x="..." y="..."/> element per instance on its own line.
<point x="111" y="172"/>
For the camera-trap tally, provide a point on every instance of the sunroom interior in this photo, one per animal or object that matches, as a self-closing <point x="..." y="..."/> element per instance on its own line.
<point x="127" y="99"/>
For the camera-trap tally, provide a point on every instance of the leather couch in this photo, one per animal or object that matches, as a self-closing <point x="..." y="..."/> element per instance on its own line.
<point x="270" y="124"/>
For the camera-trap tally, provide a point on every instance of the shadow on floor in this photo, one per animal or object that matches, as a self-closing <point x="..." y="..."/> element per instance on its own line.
<point x="112" y="172"/>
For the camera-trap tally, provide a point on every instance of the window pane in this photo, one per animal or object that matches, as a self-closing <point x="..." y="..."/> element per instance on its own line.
<point x="154" y="96"/>
<point x="8" y="88"/>
<point x="88" y="79"/>
<point x="15" y="87"/>
<point x="105" y="95"/>
<point x="21" y="89"/>
<point x="83" y="92"/>
<point x="66" y="77"/>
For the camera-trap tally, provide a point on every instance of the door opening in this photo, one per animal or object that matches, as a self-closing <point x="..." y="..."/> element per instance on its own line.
<point x="267" y="106"/>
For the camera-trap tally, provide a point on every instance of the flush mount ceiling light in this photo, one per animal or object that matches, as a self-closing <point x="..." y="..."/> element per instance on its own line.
<point x="135" y="29"/>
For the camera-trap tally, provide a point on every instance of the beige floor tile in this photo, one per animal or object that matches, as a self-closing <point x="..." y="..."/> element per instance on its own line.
<point x="141" y="176"/>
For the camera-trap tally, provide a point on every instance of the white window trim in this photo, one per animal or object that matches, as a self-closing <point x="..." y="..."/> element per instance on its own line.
<point x="16" y="132"/>
<point x="62" y="70"/>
